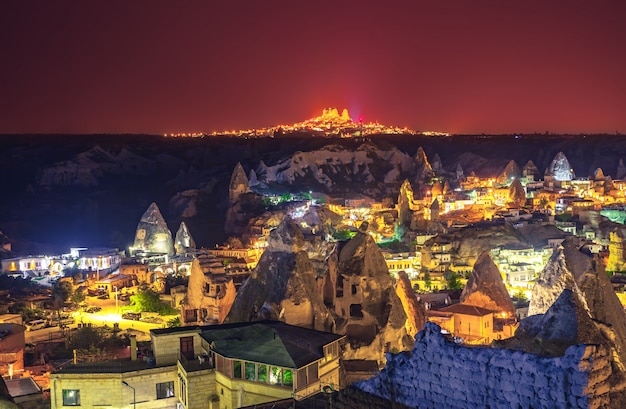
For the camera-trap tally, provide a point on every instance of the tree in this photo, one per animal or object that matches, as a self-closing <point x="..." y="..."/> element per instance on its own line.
<point x="453" y="282"/>
<point x="147" y="300"/>
<point x="343" y="235"/>
<point x="77" y="297"/>
<point x="234" y="243"/>
<point x="427" y="280"/>
<point x="520" y="297"/>
<point x="62" y="291"/>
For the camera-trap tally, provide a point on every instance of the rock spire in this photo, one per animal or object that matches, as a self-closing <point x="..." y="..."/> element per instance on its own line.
<point x="238" y="183"/>
<point x="153" y="235"/>
<point x="560" y="168"/>
<point x="183" y="243"/>
<point x="485" y="288"/>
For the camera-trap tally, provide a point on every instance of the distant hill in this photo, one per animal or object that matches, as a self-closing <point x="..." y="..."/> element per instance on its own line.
<point x="70" y="190"/>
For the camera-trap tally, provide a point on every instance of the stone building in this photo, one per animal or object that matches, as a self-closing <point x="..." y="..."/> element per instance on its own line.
<point x="213" y="366"/>
<point x="617" y="251"/>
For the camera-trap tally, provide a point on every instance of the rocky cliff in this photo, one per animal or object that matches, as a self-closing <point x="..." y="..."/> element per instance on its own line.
<point x="334" y="167"/>
<point x="439" y="373"/>
<point x="306" y="281"/>
<point x="569" y="268"/>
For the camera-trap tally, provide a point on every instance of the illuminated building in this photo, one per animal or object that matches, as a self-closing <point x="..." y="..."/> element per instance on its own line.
<point x="217" y="366"/>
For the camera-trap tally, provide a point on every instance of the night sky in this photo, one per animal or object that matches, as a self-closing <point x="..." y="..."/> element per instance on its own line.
<point x="469" y="66"/>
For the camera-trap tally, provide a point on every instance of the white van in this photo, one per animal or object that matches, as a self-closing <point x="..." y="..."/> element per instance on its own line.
<point x="35" y="325"/>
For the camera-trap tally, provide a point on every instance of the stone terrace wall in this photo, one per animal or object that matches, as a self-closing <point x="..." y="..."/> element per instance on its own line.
<point x="439" y="373"/>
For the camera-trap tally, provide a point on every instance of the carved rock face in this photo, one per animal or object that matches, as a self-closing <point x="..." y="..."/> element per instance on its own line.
<point x="307" y="282"/>
<point x="560" y="168"/>
<point x="183" y="241"/>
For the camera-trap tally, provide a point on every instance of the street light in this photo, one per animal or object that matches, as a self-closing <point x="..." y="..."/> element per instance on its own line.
<point x="134" y="400"/>
<point x="115" y="298"/>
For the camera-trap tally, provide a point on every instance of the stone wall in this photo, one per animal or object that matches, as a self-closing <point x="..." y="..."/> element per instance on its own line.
<point x="439" y="373"/>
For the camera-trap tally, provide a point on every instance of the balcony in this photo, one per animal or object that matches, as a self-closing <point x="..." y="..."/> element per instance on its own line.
<point x="198" y="363"/>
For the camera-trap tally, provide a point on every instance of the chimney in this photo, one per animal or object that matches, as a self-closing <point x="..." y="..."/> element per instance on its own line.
<point x="133" y="347"/>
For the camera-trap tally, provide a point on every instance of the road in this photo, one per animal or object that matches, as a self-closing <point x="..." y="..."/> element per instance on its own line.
<point x="109" y="315"/>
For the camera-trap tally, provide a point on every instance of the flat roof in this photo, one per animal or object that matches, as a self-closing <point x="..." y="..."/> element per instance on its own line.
<point x="467" y="310"/>
<point x="116" y="366"/>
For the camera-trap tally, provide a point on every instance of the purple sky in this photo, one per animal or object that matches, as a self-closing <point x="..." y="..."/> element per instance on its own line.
<point x="180" y="66"/>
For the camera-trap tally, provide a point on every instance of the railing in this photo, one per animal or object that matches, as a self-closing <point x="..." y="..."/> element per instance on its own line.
<point x="198" y="363"/>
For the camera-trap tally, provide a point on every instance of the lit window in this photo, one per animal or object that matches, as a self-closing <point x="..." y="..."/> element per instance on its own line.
<point x="287" y="377"/>
<point x="165" y="390"/>
<point x="275" y="375"/>
<point x="71" y="397"/>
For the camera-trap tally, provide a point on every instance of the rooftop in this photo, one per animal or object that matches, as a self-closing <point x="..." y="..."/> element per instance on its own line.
<point x="117" y="366"/>
<point x="467" y="310"/>
<point x="270" y="342"/>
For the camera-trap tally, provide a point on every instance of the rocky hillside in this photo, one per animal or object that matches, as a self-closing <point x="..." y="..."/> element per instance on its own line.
<point x="92" y="189"/>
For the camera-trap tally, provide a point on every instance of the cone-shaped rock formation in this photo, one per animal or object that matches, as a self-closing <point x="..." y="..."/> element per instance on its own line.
<point x="486" y="289"/>
<point x="153" y="235"/>
<point x="183" y="243"/>
<point x="238" y="183"/>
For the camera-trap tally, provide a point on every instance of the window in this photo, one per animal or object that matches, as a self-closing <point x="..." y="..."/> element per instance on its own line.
<point x="287" y="377"/>
<point x="275" y="375"/>
<point x="339" y="289"/>
<point x="262" y="373"/>
<point x="237" y="369"/>
<point x="191" y="315"/>
<point x="354" y="289"/>
<point x="332" y="351"/>
<point x="165" y="390"/>
<point x="71" y="397"/>
<point x="250" y="371"/>
<point x="356" y="311"/>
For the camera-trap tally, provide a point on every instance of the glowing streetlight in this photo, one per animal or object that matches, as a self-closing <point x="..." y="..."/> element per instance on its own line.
<point x="115" y="298"/>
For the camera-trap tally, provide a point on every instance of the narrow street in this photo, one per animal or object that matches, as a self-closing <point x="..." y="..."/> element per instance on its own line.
<point x="108" y="315"/>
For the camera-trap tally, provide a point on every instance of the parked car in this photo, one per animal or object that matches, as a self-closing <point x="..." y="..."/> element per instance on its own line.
<point x="96" y="292"/>
<point x="152" y="320"/>
<point x="60" y="321"/>
<point x="92" y="310"/>
<point x="132" y="316"/>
